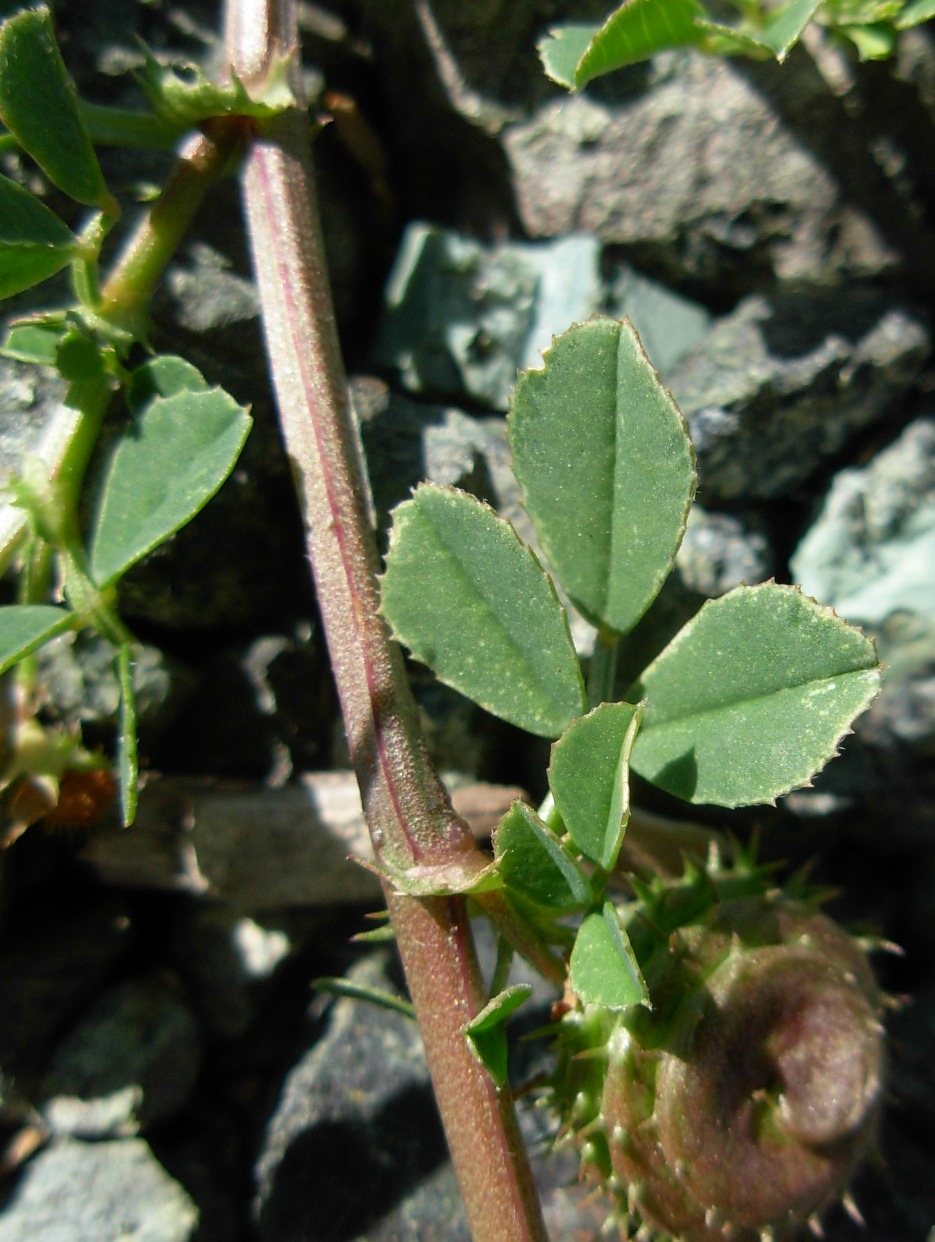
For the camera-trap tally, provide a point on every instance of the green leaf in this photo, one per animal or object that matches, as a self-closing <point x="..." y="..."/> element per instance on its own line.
<point x="785" y="28"/>
<point x="80" y="357"/>
<point x="603" y="969"/>
<point x="561" y="51"/>
<point x="635" y="31"/>
<point x="165" y="376"/>
<point x="534" y="864"/>
<point x="34" y="244"/>
<point x="590" y="779"/>
<point x="24" y="627"/>
<point x="915" y="13"/>
<point x="470" y="873"/>
<point x="56" y="340"/>
<point x="351" y="990"/>
<point x="34" y="342"/>
<point x="752" y="697"/>
<point x="872" y="42"/>
<point x="606" y="466"/>
<point x="486" y="1033"/>
<point x="167" y="466"/>
<point x="184" y="102"/>
<point x="473" y="603"/>
<point x="777" y="36"/>
<point x="39" y="106"/>
<point x="127" y="757"/>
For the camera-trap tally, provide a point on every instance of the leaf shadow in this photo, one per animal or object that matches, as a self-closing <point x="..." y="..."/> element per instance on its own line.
<point x="679" y="776"/>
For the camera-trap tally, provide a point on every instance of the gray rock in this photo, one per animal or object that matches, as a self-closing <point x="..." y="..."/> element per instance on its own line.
<point x="689" y="165"/>
<point x="209" y="298"/>
<point x="49" y="971"/>
<point x="138" y="1046"/>
<point x="355" y="1150"/>
<point x="228" y="960"/>
<point x="670" y="326"/>
<point x="871" y="550"/>
<point x="870" y="554"/>
<point x="688" y="161"/>
<point x="779" y="386"/>
<point x="405" y="442"/>
<point x="356" y="1124"/>
<point x="97" y="1192"/>
<point x="258" y="848"/>
<point x="462" y="318"/>
<point x="721" y="551"/>
<point x="78" y="673"/>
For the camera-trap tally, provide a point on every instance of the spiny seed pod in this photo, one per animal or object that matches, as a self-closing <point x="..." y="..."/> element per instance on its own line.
<point x="737" y="1109"/>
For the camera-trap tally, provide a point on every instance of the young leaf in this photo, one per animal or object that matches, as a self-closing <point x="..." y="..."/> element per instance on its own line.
<point x="635" y="31"/>
<point x="472" y="602"/>
<point x="603" y="969"/>
<point x="752" y="697"/>
<point x="80" y="357"/>
<point x="127" y="758"/>
<point x="533" y="863"/>
<point x="39" y="106"/>
<point x="606" y="466"/>
<point x="916" y="12"/>
<point x="352" y="990"/>
<point x="465" y="874"/>
<point x="164" y="376"/>
<point x="184" y="102"/>
<point x="35" y="342"/>
<point x="589" y="779"/>
<point x="561" y="51"/>
<point x="24" y="627"/>
<point x="168" y="465"/>
<point x="873" y="42"/>
<point x="784" y="29"/>
<point x="777" y="37"/>
<point x="486" y="1033"/>
<point x="34" y="243"/>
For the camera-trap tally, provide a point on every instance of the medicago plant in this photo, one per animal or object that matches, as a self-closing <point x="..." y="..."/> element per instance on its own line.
<point x="717" y="1033"/>
<point x="721" y="1059"/>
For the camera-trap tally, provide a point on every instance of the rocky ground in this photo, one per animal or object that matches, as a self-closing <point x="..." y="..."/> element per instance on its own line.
<point x="167" y="1071"/>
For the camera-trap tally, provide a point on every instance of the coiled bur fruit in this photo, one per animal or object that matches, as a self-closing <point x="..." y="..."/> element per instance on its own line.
<point x="737" y="1109"/>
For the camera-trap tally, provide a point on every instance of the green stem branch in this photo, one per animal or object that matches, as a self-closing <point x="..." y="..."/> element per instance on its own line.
<point x="127" y="292"/>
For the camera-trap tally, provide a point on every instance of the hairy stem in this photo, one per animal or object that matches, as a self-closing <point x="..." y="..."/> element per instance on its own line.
<point x="410" y="818"/>
<point x="128" y="290"/>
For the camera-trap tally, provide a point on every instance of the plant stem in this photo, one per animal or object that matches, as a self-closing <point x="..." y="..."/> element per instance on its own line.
<point x="410" y="818"/>
<point x="127" y="291"/>
<point x="602" y="670"/>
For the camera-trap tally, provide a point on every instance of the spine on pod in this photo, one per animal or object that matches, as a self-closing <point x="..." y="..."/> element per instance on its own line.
<point x="738" y="1108"/>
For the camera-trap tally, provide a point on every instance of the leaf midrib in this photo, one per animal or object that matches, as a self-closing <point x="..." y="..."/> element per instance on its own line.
<point x="649" y="725"/>
<point x="472" y="582"/>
